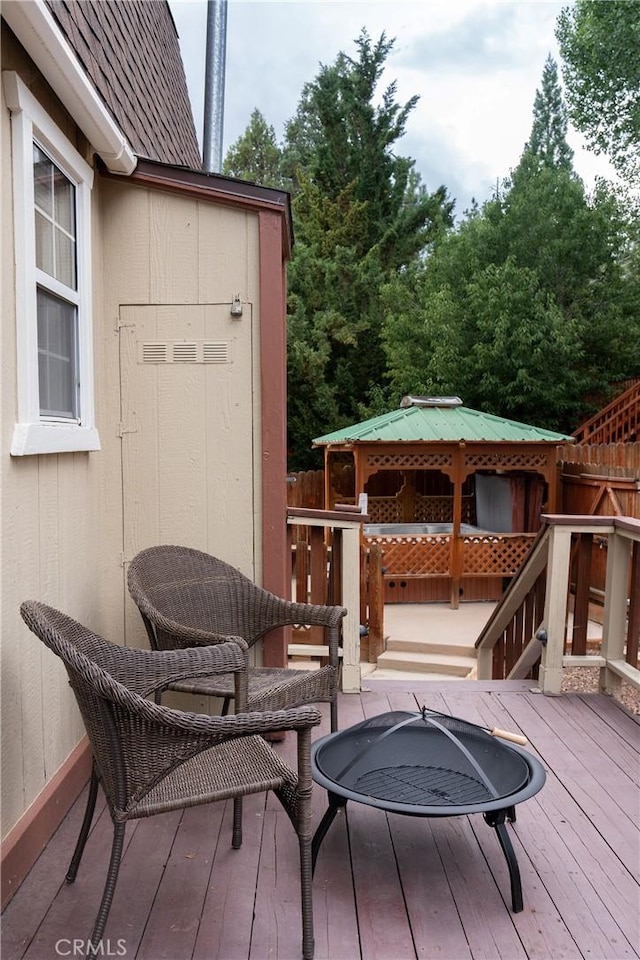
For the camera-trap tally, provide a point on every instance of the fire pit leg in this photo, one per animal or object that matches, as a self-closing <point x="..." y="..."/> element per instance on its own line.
<point x="335" y="803"/>
<point x="496" y="820"/>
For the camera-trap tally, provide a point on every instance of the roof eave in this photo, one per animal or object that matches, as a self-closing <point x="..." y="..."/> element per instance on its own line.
<point x="37" y="31"/>
<point x="453" y="441"/>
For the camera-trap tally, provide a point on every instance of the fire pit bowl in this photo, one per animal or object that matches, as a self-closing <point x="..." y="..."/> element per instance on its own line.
<point x="427" y="764"/>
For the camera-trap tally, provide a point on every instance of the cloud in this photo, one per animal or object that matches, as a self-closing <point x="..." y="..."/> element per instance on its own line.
<point x="480" y="41"/>
<point x="474" y="64"/>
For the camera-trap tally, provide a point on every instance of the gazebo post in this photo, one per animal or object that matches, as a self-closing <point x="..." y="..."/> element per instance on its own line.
<point x="456" y="545"/>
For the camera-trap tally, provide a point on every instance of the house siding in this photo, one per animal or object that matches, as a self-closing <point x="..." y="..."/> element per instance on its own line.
<point x="52" y="511"/>
<point x="66" y="535"/>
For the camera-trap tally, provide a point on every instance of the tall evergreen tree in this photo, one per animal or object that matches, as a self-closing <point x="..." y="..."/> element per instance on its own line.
<point x="361" y="216"/>
<point x="256" y="155"/>
<point x="531" y="305"/>
<point x="548" y="138"/>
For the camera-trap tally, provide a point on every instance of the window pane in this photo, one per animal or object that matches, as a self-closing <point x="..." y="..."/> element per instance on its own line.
<point x="55" y="199"/>
<point x="42" y="180"/>
<point x="65" y="258"/>
<point x="64" y="202"/>
<point x="57" y="357"/>
<point x="44" y="244"/>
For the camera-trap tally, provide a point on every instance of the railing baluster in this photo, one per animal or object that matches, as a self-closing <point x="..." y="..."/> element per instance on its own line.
<point x="581" y="603"/>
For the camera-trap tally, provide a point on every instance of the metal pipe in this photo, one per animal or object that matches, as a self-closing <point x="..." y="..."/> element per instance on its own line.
<point x="214" y="85"/>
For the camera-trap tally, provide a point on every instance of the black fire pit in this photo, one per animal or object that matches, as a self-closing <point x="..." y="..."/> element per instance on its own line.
<point x="427" y="764"/>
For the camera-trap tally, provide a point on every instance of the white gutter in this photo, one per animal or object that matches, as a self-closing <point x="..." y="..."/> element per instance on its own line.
<point x="37" y="31"/>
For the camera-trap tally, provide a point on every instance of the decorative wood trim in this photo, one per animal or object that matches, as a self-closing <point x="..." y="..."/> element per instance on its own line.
<point x="273" y="376"/>
<point x="25" y="842"/>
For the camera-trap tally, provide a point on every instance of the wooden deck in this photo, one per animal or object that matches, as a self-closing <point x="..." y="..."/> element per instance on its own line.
<point x="386" y="887"/>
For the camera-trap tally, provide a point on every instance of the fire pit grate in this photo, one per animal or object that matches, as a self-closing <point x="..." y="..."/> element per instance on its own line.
<point x="422" y="785"/>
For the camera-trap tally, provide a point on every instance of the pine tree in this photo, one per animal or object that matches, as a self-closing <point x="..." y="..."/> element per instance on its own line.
<point x="256" y="155"/>
<point x="361" y="216"/>
<point x="531" y="305"/>
<point x="548" y="138"/>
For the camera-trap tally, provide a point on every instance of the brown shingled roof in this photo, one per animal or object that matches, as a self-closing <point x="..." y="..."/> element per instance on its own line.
<point x="130" y="52"/>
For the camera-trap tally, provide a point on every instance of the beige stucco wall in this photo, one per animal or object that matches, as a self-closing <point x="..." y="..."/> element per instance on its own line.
<point x="69" y="522"/>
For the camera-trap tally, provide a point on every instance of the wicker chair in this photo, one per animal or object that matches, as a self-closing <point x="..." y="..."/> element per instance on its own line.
<point x="151" y="759"/>
<point x="188" y="598"/>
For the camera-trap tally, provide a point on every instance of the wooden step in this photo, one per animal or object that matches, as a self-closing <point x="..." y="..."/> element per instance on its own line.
<point x="456" y="666"/>
<point x="429" y="646"/>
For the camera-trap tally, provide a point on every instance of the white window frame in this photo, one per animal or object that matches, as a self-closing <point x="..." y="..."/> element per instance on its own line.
<point x="33" y="433"/>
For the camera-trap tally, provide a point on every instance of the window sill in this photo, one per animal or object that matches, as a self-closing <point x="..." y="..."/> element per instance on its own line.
<point x="35" y="438"/>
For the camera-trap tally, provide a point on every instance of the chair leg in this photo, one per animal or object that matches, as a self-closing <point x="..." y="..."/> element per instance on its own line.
<point x="236" y="841"/>
<point x="94" y="946"/>
<point x="84" y="829"/>
<point x="334" y="715"/>
<point x="306" y="880"/>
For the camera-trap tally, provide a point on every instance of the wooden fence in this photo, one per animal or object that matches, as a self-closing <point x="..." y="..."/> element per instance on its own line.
<point x="625" y="456"/>
<point x="306" y="490"/>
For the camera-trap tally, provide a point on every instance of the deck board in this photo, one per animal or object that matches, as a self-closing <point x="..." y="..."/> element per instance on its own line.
<point x="386" y="887"/>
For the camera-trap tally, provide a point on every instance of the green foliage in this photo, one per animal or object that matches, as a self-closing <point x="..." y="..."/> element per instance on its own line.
<point x="361" y="217"/>
<point x="256" y="155"/>
<point x="531" y="305"/>
<point x="548" y="139"/>
<point x="600" y="46"/>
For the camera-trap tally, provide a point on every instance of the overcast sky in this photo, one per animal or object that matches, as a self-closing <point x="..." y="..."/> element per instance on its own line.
<point x="475" y="64"/>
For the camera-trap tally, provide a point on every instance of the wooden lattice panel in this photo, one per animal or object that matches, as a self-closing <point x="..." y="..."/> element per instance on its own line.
<point x="440" y="509"/>
<point x="512" y="460"/>
<point x="408" y="461"/>
<point x="493" y="555"/>
<point x="433" y="509"/>
<point x="385" y="509"/>
<point x="414" y="556"/>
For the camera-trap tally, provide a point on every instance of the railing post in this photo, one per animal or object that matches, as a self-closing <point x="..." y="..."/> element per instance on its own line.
<point x="615" y="609"/>
<point x="555" y="611"/>
<point x="349" y="521"/>
<point x="351" y="624"/>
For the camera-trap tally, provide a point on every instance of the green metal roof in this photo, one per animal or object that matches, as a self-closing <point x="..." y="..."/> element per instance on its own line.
<point x="425" y="423"/>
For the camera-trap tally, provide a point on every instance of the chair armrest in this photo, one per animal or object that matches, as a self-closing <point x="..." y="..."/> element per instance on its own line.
<point x="184" y="635"/>
<point x="309" y="615"/>
<point x="166" y="737"/>
<point x="199" y="725"/>
<point x="312" y="615"/>
<point x="148" y="671"/>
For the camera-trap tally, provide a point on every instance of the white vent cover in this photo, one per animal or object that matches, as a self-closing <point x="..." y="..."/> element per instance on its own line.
<point x="184" y="351"/>
<point x="411" y="401"/>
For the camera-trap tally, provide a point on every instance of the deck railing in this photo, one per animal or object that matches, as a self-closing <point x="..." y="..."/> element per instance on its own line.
<point x="618" y="421"/>
<point x="540" y="625"/>
<point x="326" y="569"/>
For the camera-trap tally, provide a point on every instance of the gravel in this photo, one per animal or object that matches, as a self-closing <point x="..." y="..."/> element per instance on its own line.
<point x="585" y="680"/>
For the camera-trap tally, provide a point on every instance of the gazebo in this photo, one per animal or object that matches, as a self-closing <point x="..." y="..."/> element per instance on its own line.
<point x="454" y="495"/>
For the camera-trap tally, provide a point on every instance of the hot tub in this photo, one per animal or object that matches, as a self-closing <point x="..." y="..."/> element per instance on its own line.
<point x="415" y="529"/>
